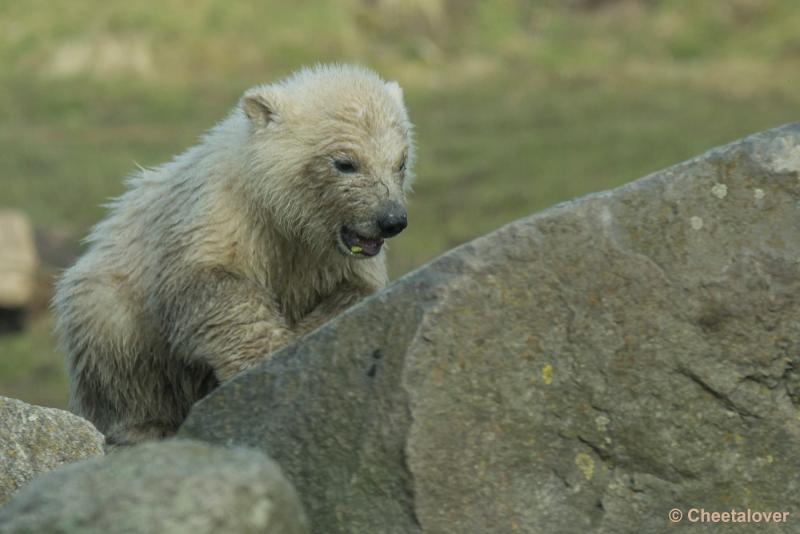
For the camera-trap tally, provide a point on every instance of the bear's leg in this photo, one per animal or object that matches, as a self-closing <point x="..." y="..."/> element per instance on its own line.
<point x="146" y="400"/>
<point x="123" y="377"/>
<point x="181" y="385"/>
<point x="345" y="296"/>
<point x="222" y="320"/>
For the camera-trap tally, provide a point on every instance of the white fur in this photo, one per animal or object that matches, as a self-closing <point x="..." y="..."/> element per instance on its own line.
<point x="212" y="261"/>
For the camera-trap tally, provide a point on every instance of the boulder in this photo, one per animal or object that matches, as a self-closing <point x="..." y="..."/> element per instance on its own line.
<point x="34" y="440"/>
<point x="18" y="260"/>
<point x="175" y="486"/>
<point x="586" y="369"/>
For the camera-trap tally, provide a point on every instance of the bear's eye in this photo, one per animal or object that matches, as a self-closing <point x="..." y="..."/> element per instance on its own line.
<point x="344" y="166"/>
<point x="402" y="166"/>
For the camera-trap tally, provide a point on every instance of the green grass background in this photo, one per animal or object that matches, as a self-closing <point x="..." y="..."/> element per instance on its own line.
<point x="517" y="104"/>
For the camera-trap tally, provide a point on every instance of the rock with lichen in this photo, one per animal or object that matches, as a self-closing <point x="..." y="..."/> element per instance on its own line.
<point x="34" y="440"/>
<point x="175" y="486"/>
<point x="585" y="369"/>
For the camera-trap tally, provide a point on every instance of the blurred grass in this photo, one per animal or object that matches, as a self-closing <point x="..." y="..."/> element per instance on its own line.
<point x="518" y="104"/>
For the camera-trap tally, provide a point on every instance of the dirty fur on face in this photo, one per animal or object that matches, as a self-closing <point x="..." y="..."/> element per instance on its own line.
<point x="273" y="224"/>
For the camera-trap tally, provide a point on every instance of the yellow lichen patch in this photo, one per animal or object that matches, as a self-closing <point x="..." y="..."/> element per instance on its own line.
<point x="547" y="374"/>
<point x="585" y="464"/>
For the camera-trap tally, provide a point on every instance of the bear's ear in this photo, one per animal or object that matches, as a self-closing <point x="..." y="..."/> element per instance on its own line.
<point x="396" y="91"/>
<point x="261" y="104"/>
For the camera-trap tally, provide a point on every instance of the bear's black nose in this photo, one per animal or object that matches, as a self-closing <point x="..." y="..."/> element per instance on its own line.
<point x="393" y="221"/>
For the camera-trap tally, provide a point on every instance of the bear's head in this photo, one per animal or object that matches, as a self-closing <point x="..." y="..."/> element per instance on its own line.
<point x="331" y="154"/>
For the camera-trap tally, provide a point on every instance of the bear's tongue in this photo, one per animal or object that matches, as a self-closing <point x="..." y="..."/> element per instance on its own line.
<point x="369" y="247"/>
<point x="364" y="246"/>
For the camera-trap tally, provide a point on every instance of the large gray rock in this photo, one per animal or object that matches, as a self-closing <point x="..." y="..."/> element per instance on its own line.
<point x="176" y="486"/>
<point x="18" y="260"/>
<point x="586" y="369"/>
<point x="34" y="440"/>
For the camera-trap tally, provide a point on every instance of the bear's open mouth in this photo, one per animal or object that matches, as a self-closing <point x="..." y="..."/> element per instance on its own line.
<point x="359" y="245"/>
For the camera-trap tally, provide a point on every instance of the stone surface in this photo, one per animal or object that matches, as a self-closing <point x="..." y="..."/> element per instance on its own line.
<point x="34" y="440"/>
<point x="18" y="260"/>
<point x="585" y="369"/>
<point x="176" y="486"/>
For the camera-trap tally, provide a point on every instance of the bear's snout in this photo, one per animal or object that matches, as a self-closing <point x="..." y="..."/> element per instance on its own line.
<point x="392" y="219"/>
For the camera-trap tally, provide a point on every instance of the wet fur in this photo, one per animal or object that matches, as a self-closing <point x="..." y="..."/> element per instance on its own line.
<point x="209" y="263"/>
